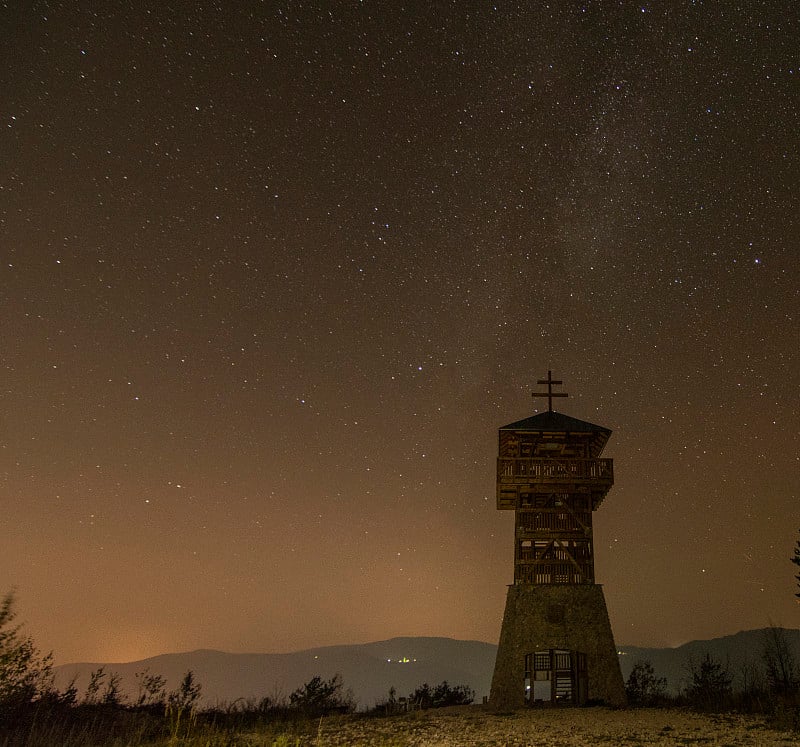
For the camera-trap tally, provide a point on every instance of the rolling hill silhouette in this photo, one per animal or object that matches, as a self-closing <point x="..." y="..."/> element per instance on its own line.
<point x="370" y="669"/>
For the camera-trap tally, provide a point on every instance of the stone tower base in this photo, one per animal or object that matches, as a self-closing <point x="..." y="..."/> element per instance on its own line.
<point x="568" y="617"/>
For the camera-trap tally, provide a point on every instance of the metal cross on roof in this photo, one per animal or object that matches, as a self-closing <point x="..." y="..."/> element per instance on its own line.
<point x="549" y="393"/>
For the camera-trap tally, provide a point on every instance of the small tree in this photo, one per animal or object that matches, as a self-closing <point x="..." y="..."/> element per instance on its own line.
<point x="780" y="663"/>
<point x="751" y="679"/>
<point x="796" y="561"/>
<point x="25" y="674"/>
<point x="112" y="695"/>
<point x="151" y="689"/>
<point x="320" y="697"/>
<point x="710" y="685"/>
<point x="69" y="695"/>
<point x="187" y="694"/>
<point x="643" y="688"/>
<point x="92" y="694"/>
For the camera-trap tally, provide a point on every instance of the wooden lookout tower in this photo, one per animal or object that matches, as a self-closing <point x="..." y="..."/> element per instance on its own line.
<point x="556" y="645"/>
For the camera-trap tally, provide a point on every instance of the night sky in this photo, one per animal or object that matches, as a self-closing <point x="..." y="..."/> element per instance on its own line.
<point x="273" y="274"/>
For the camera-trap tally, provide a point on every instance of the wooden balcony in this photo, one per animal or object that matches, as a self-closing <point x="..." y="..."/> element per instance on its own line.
<point x="555" y="521"/>
<point x="594" y="472"/>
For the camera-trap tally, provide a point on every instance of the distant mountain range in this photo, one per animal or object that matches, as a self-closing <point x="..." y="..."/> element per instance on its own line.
<point x="370" y="669"/>
<point x="735" y="652"/>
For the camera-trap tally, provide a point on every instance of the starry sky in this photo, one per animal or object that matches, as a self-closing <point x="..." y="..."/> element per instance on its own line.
<point x="273" y="274"/>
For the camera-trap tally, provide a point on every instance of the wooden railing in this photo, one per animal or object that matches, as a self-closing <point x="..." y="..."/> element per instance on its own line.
<point x="510" y="469"/>
<point x="580" y="554"/>
<point x="553" y="573"/>
<point x="554" y="521"/>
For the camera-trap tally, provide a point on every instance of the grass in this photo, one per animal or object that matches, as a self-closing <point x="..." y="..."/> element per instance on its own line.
<point x="462" y="726"/>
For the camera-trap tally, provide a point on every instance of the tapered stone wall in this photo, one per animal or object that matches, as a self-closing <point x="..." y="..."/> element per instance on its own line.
<point x="571" y="617"/>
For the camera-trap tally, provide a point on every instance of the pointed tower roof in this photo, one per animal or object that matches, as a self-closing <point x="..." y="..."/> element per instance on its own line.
<point x="551" y="421"/>
<point x="556" y="422"/>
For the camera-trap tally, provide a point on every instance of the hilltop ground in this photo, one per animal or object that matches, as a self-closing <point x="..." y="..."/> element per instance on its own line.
<point x="472" y="726"/>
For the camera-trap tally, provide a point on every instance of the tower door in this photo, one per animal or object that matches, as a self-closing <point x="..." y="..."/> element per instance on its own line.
<point x="555" y="677"/>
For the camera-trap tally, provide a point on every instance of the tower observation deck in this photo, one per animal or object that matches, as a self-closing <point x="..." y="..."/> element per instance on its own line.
<point x="550" y="474"/>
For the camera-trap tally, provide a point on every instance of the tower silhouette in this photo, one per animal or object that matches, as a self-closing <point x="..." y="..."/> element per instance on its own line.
<point x="556" y="644"/>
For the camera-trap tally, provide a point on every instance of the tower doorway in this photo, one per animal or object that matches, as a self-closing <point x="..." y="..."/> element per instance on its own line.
<point x="555" y="677"/>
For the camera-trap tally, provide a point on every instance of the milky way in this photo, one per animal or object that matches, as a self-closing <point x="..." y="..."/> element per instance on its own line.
<point x="274" y="274"/>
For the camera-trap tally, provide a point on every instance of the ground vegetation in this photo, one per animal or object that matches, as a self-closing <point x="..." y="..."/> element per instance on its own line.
<point x="33" y="713"/>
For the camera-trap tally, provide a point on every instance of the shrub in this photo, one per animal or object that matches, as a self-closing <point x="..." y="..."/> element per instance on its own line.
<point x="710" y="685"/>
<point x="25" y="675"/>
<point x="320" y="697"/>
<point x="643" y="688"/>
<point x="151" y="690"/>
<point x="187" y="694"/>
<point x="783" y="676"/>
<point x="442" y="695"/>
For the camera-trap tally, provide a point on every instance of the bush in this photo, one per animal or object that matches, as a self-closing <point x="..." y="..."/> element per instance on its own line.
<point x="151" y="688"/>
<point x="320" y="697"/>
<point x="710" y="685"/>
<point x="187" y="694"/>
<point x="442" y="695"/>
<point x="643" y="688"/>
<point x="783" y="676"/>
<point x="25" y="675"/>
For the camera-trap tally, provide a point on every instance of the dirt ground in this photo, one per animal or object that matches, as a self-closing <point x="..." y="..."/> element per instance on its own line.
<point x="575" y="727"/>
